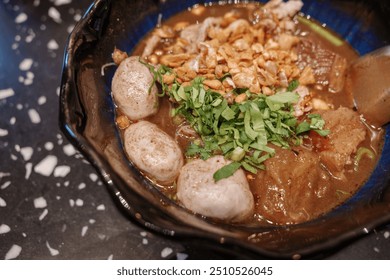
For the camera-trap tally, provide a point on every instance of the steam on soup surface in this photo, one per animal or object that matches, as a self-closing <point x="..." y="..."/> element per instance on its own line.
<point x="251" y="112"/>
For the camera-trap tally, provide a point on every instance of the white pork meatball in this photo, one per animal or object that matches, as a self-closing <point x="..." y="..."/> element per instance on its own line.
<point x="228" y="199"/>
<point x="153" y="151"/>
<point x="130" y="89"/>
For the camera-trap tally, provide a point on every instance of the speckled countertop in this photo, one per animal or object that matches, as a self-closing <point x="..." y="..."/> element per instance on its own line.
<point x="52" y="203"/>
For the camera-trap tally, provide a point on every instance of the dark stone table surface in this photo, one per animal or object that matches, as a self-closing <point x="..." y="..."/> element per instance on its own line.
<point x="52" y="203"/>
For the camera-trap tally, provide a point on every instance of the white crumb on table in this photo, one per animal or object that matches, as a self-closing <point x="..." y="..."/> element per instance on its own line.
<point x="61" y="171"/>
<point x="53" y="252"/>
<point x="166" y="252"/>
<point x="46" y="166"/>
<point x="40" y="202"/>
<point x="4" y="228"/>
<point x="13" y="252"/>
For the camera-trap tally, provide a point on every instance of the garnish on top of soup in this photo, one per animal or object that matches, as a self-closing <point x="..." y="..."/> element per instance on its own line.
<point x="240" y="113"/>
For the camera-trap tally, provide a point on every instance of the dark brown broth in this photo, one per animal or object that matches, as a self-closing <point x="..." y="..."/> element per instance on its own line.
<point x="343" y="189"/>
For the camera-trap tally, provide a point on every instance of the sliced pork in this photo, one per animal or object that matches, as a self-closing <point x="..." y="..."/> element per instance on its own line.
<point x="347" y="132"/>
<point x="291" y="189"/>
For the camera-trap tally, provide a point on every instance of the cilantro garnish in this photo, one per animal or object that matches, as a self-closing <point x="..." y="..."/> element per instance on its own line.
<point x="293" y="85"/>
<point x="316" y="124"/>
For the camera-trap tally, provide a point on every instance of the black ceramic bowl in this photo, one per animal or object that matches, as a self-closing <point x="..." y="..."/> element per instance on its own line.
<point x="87" y="116"/>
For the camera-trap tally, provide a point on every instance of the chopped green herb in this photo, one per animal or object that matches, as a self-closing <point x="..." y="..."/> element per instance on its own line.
<point x="284" y="97"/>
<point x="332" y="38"/>
<point x="157" y="76"/>
<point x="316" y="124"/>
<point x="226" y="171"/>
<point x="228" y="114"/>
<point x="238" y="154"/>
<point x="342" y="194"/>
<point x="322" y="132"/>
<point x="303" y="127"/>
<point x="240" y="132"/>
<point x="249" y="167"/>
<point x="293" y="85"/>
<point x="362" y="151"/>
